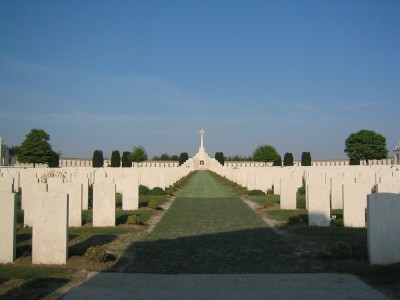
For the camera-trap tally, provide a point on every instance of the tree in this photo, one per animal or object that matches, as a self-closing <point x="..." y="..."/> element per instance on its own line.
<point x="174" y="157"/>
<point x="54" y="161"/>
<point x="278" y="162"/>
<point x="35" y="149"/>
<point x="288" y="159"/>
<point x="126" y="162"/>
<point x="265" y="153"/>
<point x="138" y="154"/>
<point x="306" y="159"/>
<point x="183" y="157"/>
<point x="366" y="145"/>
<point x="98" y="160"/>
<point x="115" y="159"/>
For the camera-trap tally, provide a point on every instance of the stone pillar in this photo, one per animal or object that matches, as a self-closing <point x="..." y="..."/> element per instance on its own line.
<point x="8" y="219"/>
<point x="50" y="228"/>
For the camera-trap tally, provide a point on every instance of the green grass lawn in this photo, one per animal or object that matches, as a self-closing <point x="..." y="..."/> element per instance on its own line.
<point x="209" y="229"/>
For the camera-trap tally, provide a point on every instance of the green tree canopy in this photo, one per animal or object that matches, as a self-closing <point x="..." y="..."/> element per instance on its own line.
<point x="126" y="162"/>
<point x="35" y="149"/>
<point x="115" y="159"/>
<point x="288" y="159"/>
<point x="98" y="159"/>
<point x="306" y="159"/>
<point x="366" y="145"/>
<point x="265" y="153"/>
<point x="278" y="162"/>
<point x="138" y="154"/>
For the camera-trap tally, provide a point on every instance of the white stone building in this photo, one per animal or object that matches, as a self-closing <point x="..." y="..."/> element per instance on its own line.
<point x="396" y="154"/>
<point x="4" y="153"/>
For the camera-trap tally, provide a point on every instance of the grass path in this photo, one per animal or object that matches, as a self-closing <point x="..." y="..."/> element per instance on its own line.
<point x="209" y="229"/>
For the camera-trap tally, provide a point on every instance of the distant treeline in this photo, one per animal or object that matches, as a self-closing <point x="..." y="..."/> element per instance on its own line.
<point x="166" y="157"/>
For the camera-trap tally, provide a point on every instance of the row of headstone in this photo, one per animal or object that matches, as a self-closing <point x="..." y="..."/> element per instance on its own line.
<point x="51" y="207"/>
<point x="348" y="189"/>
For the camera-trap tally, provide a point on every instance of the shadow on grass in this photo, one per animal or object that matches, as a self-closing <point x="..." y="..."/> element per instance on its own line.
<point x="100" y="239"/>
<point x="258" y="250"/>
<point x="35" y="289"/>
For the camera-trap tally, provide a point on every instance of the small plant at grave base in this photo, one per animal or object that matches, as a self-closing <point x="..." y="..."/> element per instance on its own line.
<point x="256" y="193"/>
<point x="341" y="249"/>
<point x="295" y="220"/>
<point x="143" y="190"/>
<point x="270" y="191"/>
<point x="87" y="217"/>
<point x="133" y="220"/>
<point x="269" y="204"/>
<point x="153" y="204"/>
<point x="157" y="191"/>
<point x="96" y="253"/>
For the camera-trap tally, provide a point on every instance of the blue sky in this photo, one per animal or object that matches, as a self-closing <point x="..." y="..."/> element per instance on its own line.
<point x="298" y="75"/>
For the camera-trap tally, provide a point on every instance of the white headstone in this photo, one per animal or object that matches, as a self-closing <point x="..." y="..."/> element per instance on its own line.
<point x="50" y="229"/>
<point x="383" y="228"/>
<point x="8" y="217"/>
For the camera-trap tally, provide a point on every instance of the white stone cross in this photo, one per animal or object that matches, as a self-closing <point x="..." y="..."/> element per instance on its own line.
<point x="202" y="132"/>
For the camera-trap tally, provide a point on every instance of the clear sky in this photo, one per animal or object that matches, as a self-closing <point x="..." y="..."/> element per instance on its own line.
<point x="298" y="75"/>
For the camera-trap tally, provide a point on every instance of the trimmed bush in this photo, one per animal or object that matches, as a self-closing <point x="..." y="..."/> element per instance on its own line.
<point x="153" y="204"/>
<point x="115" y="159"/>
<point x="288" y="159"/>
<point x="256" y="193"/>
<point x="184" y="156"/>
<point x="143" y="190"/>
<point x="133" y="220"/>
<point x="126" y="162"/>
<point x="157" y="191"/>
<point x="96" y="253"/>
<point x="306" y="159"/>
<point x="98" y="160"/>
<point x="341" y="249"/>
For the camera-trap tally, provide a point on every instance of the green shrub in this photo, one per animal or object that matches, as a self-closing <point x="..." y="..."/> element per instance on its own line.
<point x="153" y="204"/>
<point x="341" y="249"/>
<point x="157" y="191"/>
<point x="270" y="191"/>
<point x="295" y="220"/>
<point x="133" y="220"/>
<point x="143" y="190"/>
<point x="338" y="222"/>
<point x="87" y="216"/>
<point x="301" y="190"/>
<point x="256" y="193"/>
<point x="96" y="253"/>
